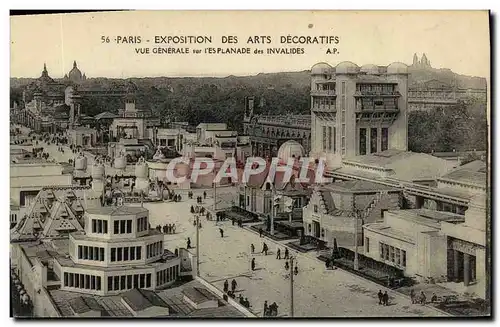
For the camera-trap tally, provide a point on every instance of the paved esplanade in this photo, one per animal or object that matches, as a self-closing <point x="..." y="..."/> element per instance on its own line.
<point x="317" y="292"/>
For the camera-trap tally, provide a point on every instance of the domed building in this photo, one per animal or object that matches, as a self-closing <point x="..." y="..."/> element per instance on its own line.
<point x="75" y="75"/>
<point x="290" y="149"/>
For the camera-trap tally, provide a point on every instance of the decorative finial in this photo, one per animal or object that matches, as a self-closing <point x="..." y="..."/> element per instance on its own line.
<point x="74" y="64"/>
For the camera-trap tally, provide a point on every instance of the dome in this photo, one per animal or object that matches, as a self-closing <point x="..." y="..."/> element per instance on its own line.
<point x="346" y="67"/>
<point x="321" y="69"/>
<point x="370" y="69"/>
<point x="75" y="74"/>
<point x="290" y="149"/>
<point x="397" y="68"/>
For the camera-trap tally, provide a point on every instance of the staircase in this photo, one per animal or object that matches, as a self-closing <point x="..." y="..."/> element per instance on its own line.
<point x="369" y="208"/>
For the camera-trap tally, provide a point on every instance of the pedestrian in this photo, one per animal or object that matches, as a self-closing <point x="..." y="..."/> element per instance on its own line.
<point x="327" y="263"/>
<point x="266" y="309"/>
<point x="296" y="270"/>
<point x="233" y="285"/>
<point x="189" y="243"/>
<point x="275" y="309"/>
<point x="412" y="296"/>
<point x="192" y="209"/>
<point x="380" y="297"/>
<point x="232" y="222"/>
<point x="278" y="254"/>
<point x="194" y="222"/>
<point x="226" y="286"/>
<point x="252" y="248"/>
<point x="434" y="298"/>
<point x="286" y="254"/>
<point x="253" y="264"/>
<point x="173" y="228"/>
<point x="199" y="224"/>
<point x="386" y="299"/>
<point x="204" y="194"/>
<point x="287" y="265"/>
<point x="260" y="232"/>
<point x="246" y="303"/>
<point x="241" y="300"/>
<point x="265" y="249"/>
<point x="423" y="298"/>
<point x="221" y="232"/>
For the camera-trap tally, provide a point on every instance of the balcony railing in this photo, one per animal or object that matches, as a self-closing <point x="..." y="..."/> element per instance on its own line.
<point x="323" y="93"/>
<point x="377" y="94"/>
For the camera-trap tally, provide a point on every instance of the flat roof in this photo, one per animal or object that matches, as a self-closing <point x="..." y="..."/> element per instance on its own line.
<point x="172" y="297"/>
<point x="352" y="186"/>
<point x="117" y="211"/>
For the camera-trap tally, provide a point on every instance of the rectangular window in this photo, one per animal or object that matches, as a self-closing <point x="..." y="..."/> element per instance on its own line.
<point x="148" y="280"/>
<point x="373" y="140"/>
<point x="105" y="226"/>
<point x="86" y="252"/>
<point x="330" y="138"/>
<point x="101" y="254"/>
<point x="403" y="258"/>
<point x="98" y="283"/>
<point x="96" y="253"/>
<point x="132" y="253"/>
<point x="139" y="224"/>
<point x="80" y="252"/>
<point x="398" y="257"/>
<point x="77" y="280"/>
<point x="391" y="253"/>
<point x="123" y="283"/>
<point x="94" y="226"/>
<point x="125" y="254"/>
<point x="113" y="254"/>
<point x="116" y="228"/>
<point x="99" y="226"/>
<point x="110" y="283"/>
<point x="362" y="141"/>
<point x="129" y="282"/>
<point x="142" y="281"/>
<point x="385" y="139"/>
<point x="66" y="277"/>
<point x="136" y="281"/>
<point x="342" y="103"/>
<point x="87" y="282"/>
<point x="381" y="250"/>
<point x="71" y="279"/>
<point x="334" y="140"/>
<point x="119" y="256"/>
<point x="122" y="227"/>
<point x="116" y="283"/>
<point x="343" y="87"/>
<point x="387" y="252"/>
<point x="324" y="138"/>
<point x="158" y="281"/>
<point x="367" y="245"/>
<point x="315" y="208"/>
<point x="138" y="252"/>
<point x="129" y="226"/>
<point x="168" y="274"/>
<point x="146" y="227"/>
<point x="92" y="283"/>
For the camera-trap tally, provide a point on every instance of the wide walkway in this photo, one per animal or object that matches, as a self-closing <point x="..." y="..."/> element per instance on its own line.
<point x="318" y="293"/>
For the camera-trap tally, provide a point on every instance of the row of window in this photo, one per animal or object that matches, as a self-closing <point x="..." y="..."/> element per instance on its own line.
<point x="323" y="101"/>
<point x="82" y="281"/>
<point x="122" y="226"/>
<point x="154" y="249"/>
<point x="370" y="103"/>
<point x="167" y="275"/>
<point x="128" y="253"/>
<point x="127" y="282"/>
<point x="90" y="253"/>
<point x="100" y="226"/>
<point x="329" y="139"/>
<point x="376" y="88"/>
<point x="384" y="144"/>
<point x="392" y="254"/>
<point x="167" y="142"/>
<point x="343" y="128"/>
<point x="142" y="224"/>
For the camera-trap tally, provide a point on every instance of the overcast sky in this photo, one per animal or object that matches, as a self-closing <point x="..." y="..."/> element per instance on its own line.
<point x="455" y="40"/>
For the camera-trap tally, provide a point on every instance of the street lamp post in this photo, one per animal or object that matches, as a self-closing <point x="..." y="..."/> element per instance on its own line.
<point x="215" y="197"/>
<point x="273" y="213"/>
<point x="197" y="245"/>
<point x="292" y="273"/>
<point x="356" y="261"/>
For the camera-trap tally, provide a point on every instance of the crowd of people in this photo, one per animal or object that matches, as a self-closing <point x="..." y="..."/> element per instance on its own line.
<point x="166" y="229"/>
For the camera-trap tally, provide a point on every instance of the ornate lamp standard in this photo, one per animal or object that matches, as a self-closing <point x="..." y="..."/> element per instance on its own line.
<point x="293" y="271"/>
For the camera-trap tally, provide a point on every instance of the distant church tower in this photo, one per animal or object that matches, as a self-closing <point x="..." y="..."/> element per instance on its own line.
<point x="415" y="60"/>
<point x="422" y="63"/>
